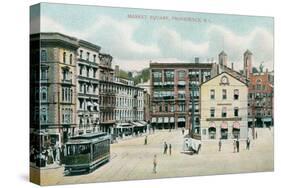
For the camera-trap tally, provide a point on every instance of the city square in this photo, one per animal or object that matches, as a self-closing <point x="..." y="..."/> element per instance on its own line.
<point x="132" y="160"/>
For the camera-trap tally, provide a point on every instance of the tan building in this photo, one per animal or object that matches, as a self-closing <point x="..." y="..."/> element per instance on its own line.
<point x="223" y="108"/>
<point x="57" y="110"/>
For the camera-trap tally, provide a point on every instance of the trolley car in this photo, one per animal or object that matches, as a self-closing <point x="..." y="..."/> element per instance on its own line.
<point x="84" y="153"/>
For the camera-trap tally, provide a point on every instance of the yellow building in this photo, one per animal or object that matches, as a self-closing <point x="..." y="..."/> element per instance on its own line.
<point x="223" y="106"/>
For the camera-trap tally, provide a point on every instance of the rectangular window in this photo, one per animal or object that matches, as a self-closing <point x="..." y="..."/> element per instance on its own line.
<point x="224" y="94"/>
<point x="212" y="112"/>
<point x="43" y="55"/>
<point x="236" y="94"/>
<point x="224" y="112"/>
<point x="212" y="94"/>
<point x="88" y="56"/>
<point x="181" y="75"/>
<point x="236" y="112"/>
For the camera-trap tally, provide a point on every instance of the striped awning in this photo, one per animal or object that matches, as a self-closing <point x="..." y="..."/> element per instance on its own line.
<point x="160" y="120"/>
<point x="172" y="119"/>
<point x="212" y="124"/>
<point x="224" y="125"/>
<point x="181" y="119"/>
<point x="153" y="120"/>
<point x="166" y="120"/>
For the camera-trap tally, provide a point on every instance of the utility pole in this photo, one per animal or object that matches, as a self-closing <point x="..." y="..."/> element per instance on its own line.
<point x="192" y="110"/>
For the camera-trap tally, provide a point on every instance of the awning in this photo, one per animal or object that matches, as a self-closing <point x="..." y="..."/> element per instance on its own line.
<point x="182" y="119"/>
<point x="181" y="83"/>
<point x="160" y="120"/>
<point x="267" y="119"/>
<point x="224" y="125"/>
<point x="212" y="124"/>
<point x="166" y="120"/>
<point x="172" y="119"/>
<point x="119" y="125"/>
<point x="153" y="120"/>
<point x="236" y="125"/>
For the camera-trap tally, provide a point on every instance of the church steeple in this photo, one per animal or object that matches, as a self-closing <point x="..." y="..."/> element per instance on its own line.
<point x="247" y="63"/>
<point x="223" y="58"/>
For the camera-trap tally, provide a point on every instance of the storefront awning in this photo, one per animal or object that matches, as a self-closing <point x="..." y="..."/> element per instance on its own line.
<point x="212" y="124"/>
<point x="266" y="119"/>
<point x="143" y="122"/>
<point x="182" y="119"/>
<point x="236" y="125"/>
<point x="153" y="120"/>
<point x="172" y="119"/>
<point x="160" y="120"/>
<point x="224" y="125"/>
<point x="166" y="120"/>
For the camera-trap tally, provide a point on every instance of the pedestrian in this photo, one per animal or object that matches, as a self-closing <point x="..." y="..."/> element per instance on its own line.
<point x="234" y="146"/>
<point x="165" y="148"/>
<point x="220" y="144"/>
<point x="248" y="143"/>
<point x="55" y="153"/>
<point x="170" y="149"/>
<point x="154" y="164"/>
<point x="256" y="134"/>
<point x="237" y="145"/>
<point x="182" y="131"/>
<point x="145" y="140"/>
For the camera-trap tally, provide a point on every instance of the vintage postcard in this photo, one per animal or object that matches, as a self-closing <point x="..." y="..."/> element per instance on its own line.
<point x="128" y="94"/>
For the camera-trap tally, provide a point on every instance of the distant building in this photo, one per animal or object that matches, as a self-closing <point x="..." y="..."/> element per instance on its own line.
<point x="223" y="108"/>
<point x="171" y="87"/>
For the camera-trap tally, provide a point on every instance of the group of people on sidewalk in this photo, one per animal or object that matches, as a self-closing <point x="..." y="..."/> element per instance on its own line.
<point x="46" y="155"/>
<point x="236" y="145"/>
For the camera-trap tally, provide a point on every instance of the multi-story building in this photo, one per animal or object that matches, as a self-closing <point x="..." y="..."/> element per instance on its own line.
<point x="107" y="94"/>
<point x="223" y="108"/>
<point x="121" y="102"/>
<point x="57" y="85"/>
<point x="260" y="100"/>
<point x="173" y="88"/>
<point x="87" y="87"/>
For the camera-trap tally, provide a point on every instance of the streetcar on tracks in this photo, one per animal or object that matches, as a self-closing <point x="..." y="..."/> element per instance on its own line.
<point x="85" y="153"/>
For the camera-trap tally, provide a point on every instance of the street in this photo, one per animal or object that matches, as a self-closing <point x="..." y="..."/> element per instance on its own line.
<point x="131" y="159"/>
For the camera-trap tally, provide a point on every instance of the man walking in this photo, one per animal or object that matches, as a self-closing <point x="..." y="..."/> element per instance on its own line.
<point x="234" y="146"/>
<point x="220" y="145"/>
<point x="248" y="144"/>
<point x="145" y="140"/>
<point x="237" y="145"/>
<point x="154" y="164"/>
<point x="165" y="148"/>
<point x="170" y="149"/>
<point x="182" y="130"/>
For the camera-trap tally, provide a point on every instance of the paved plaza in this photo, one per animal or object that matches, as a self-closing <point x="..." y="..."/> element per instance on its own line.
<point x="131" y="159"/>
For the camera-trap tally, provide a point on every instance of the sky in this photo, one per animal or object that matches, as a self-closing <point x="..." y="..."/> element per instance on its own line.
<point x="134" y="37"/>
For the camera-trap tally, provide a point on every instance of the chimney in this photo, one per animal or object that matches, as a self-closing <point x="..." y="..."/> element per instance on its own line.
<point x="196" y="59"/>
<point x="232" y="66"/>
<point x="117" y="70"/>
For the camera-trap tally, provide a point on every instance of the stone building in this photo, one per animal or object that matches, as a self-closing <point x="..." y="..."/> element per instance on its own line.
<point x="57" y="89"/>
<point x="87" y="87"/>
<point x="223" y="108"/>
<point x="171" y="96"/>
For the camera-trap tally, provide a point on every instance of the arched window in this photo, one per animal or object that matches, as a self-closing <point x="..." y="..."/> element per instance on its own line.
<point x="64" y="57"/>
<point x="70" y="59"/>
<point x="44" y="94"/>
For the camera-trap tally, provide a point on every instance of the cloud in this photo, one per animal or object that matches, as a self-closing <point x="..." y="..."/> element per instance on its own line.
<point x="167" y="45"/>
<point x="259" y="41"/>
<point x="173" y="45"/>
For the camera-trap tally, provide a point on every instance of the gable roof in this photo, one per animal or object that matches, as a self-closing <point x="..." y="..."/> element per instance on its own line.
<point x="221" y="74"/>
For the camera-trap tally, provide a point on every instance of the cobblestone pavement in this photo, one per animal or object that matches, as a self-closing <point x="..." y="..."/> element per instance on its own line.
<point x="131" y="159"/>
